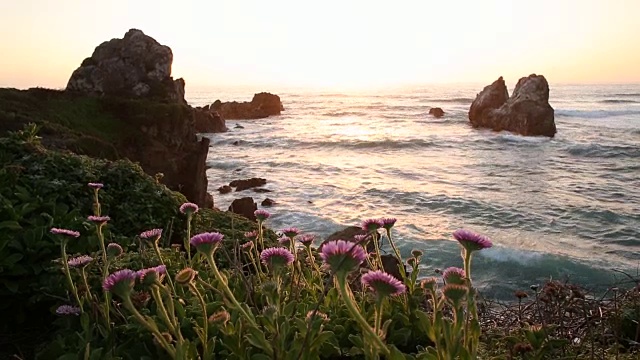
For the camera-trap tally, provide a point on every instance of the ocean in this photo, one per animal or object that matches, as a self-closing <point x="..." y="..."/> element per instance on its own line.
<point x="566" y="208"/>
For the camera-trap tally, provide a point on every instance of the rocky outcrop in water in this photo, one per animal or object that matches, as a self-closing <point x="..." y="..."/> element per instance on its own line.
<point x="245" y="184"/>
<point x="208" y="121"/>
<point x="527" y="112"/>
<point x="244" y="206"/>
<point x="436" y="112"/>
<point x="261" y="106"/>
<point x="135" y="66"/>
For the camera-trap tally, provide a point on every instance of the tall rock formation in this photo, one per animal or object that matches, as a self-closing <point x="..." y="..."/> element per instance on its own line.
<point x="527" y="112"/>
<point x="135" y="66"/>
<point x="160" y="132"/>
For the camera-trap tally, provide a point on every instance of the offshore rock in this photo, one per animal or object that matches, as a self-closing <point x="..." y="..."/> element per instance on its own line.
<point x="208" y="121"/>
<point x="245" y="184"/>
<point x="436" y="112"/>
<point x="136" y="66"/>
<point x="244" y="206"/>
<point x="527" y="112"/>
<point x="261" y="106"/>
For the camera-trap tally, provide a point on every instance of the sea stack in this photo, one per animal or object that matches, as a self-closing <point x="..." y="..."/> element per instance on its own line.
<point x="527" y="112"/>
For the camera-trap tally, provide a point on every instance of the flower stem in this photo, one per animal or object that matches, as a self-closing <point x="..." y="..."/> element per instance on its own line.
<point x="343" y="288"/>
<point x="187" y="243"/>
<point x="153" y="329"/>
<point x="65" y="264"/>
<point x="156" y="248"/>
<point x="205" y="323"/>
<point x="227" y="291"/>
<point x="395" y="250"/>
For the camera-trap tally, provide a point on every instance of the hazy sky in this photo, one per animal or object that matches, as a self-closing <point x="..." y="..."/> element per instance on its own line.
<point x="332" y="43"/>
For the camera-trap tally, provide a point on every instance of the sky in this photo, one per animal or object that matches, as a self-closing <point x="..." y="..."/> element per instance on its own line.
<point x="332" y="43"/>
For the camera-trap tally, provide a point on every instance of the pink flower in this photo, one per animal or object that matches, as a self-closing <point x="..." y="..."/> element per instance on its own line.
<point x="152" y="234"/>
<point x="276" y="257"/>
<point x="65" y="232"/>
<point x="383" y="284"/>
<point x="189" y="208"/>
<point x="472" y="241"/>
<point x="342" y="256"/>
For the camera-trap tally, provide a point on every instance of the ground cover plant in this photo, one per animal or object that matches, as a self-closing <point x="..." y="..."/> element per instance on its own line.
<point x="189" y="283"/>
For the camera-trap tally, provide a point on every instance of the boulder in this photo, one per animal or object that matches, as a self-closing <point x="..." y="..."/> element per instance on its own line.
<point x="436" y="112"/>
<point x="527" y="112"/>
<point x="136" y="66"/>
<point x="245" y="207"/>
<point x="261" y="106"/>
<point x="225" y="189"/>
<point x="268" y="202"/>
<point x="245" y="184"/>
<point x="208" y="121"/>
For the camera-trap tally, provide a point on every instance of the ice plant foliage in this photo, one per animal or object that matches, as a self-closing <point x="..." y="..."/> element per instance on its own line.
<point x="342" y="256"/>
<point x="151" y="234"/>
<point x="276" y="257"/>
<point x="371" y="225"/>
<point x="472" y="241"/>
<point x="189" y="208"/>
<point x="261" y="215"/>
<point x="65" y="232"/>
<point x="68" y="310"/>
<point x="80" y="261"/>
<point x="382" y="283"/>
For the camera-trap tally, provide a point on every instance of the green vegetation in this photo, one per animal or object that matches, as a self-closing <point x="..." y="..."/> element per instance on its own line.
<point x="41" y="189"/>
<point x="225" y="303"/>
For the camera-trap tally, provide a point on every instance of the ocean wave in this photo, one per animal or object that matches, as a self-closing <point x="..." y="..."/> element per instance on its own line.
<point x="604" y="151"/>
<point x="595" y="114"/>
<point x="458" y="100"/>
<point x="387" y="144"/>
<point x="628" y="94"/>
<point x="619" y="101"/>
<point x="344" y="113"/>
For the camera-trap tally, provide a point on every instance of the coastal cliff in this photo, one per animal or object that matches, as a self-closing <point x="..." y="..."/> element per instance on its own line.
<point x="121" y="103"/>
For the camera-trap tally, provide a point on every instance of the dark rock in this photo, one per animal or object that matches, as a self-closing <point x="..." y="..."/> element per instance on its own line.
<point x="391" y="265"/>
<point x="238" y="126"/>
<point x="261" y="190"/>
<point x="245" y="207"/>
<point x="348" y="234"/>
<point x="268" y="202"/>
<point x="261" y="106"/>
<point x="491" y="97"/>
<point x="238" y="169"/>
<point x="134" y="66"/>
<point x="436" y="112"/>
<point x="207" y="121"/>
<point x="236" y="143"/>
<point x="527" y="112"/>
<point x="241" y="185"/>
<point x="225" y="189"/>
